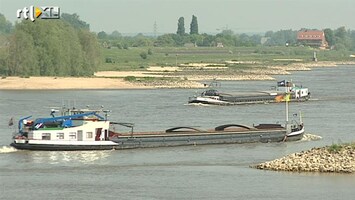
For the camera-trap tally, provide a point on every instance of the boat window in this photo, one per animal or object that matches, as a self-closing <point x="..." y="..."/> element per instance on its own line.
<point x="72" y="135"/>
<point x="89" y="134"/>
<point x="60" y="136"/>
<point x="46" y="136"/>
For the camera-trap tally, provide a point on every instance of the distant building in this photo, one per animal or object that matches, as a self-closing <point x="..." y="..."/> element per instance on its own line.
<point x="263" y="40"/>
<point x="313" y="38"/>
<point x="220" y="45"/>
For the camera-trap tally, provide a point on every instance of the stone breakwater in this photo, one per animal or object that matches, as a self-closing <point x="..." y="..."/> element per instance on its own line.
<point x="333" y="159"/>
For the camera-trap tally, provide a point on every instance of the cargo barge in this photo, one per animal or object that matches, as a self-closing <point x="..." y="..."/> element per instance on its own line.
<point x="215" y="97"/>
<point x="83" y="129"/>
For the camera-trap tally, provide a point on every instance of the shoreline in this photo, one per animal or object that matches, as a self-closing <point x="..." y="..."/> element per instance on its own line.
<point x="114" y="80"/>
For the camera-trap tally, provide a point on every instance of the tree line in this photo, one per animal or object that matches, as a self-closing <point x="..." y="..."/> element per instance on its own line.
<point x="62" y="47"/>
<point x="339" y="39"/>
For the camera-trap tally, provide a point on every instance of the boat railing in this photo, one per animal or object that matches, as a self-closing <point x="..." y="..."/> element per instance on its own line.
<point x="125" y="124"/>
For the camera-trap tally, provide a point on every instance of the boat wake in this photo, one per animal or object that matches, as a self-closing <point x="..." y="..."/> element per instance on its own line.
<point x="198" y="104"/>
<point x="7" y="149"/>
<point x="310" y="137"/>
<point x="314" y="99"/>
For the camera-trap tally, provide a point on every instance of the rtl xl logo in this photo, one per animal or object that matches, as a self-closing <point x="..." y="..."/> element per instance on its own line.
<point x="43" y="12"/>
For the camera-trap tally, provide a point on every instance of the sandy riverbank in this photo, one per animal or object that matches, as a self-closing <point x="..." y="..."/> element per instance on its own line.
<point x="67" y="83"/>
<point x="35" y="83"/>
<point x="184" y="77"/>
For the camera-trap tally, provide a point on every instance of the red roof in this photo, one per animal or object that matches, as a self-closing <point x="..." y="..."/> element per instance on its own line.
<point x="310" y="35"/>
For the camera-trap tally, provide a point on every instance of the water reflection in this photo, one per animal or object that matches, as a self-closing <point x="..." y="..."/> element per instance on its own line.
<point x="72" y="157"/>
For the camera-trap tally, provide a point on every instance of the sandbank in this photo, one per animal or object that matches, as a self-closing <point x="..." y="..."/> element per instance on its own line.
<point x="51" y="83"/>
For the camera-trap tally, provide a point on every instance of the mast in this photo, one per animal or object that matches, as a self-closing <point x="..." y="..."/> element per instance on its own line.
<point x="286" y="105"/>
<point x="287" y="97"/>
<point x="287" y="125"/>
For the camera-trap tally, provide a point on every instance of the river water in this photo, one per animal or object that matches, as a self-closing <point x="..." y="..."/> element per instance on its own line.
<point x="191" y="172"/>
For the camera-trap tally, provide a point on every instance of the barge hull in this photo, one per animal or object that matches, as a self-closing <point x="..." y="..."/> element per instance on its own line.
<point x="129" y="142"/>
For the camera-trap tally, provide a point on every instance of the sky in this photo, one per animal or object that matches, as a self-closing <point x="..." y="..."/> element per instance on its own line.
<point x="240" y="16"/>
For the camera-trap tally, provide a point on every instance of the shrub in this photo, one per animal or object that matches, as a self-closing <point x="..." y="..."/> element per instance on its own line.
<point x="150" y="52"/>
<point x="143" y="55"/>
<point x="108" y="60"/>
<point x="130" y="78"/>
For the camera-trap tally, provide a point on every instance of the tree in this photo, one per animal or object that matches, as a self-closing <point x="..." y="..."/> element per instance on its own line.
<point x="166" y="40"/>
<point x="352" y="36"/>
<point x="5" y="25"/>
<point x="74" y="20"/>
<point x="115" y="35"/>
<point x="281" y="37"/>
<point x="181" y="26"/>
<point x="51" y="48"/>
<point x="91" y="51"/>
<point x="329" y="36"/>
<point x="102" y="35"/>
<point x="141" y="41"/>
<point x="194" y="25"/>
<point x="208" y="40"/>
<point x="341" y="33"/>
<point x="22" y="54"/>
<point x="342" y="39"/>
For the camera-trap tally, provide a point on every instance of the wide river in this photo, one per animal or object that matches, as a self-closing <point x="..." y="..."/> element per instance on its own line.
<point x="191" y="172"/>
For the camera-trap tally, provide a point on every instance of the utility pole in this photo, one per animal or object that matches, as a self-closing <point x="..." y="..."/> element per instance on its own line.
<point x="155" y="29"/>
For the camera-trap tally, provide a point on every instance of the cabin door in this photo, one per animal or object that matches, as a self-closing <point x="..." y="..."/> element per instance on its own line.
<point x="80" y="135"/>
<point x="98" y="134"/>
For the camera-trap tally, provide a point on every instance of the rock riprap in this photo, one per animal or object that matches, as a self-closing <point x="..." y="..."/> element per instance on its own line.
<point x="334" y="158"/>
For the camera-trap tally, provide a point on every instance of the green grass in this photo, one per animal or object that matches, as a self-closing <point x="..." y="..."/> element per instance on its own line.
<point x="130" y="59"/>
<point x="335" y="148"/>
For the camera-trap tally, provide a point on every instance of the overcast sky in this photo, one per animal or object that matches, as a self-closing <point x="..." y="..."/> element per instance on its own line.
<point x="241" y="16"/>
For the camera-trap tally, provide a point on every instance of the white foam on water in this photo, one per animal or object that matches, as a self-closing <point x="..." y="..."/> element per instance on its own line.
<point x="310" y="137"/>
<point x="198" y="104"/>
<point x="7" y="149"/>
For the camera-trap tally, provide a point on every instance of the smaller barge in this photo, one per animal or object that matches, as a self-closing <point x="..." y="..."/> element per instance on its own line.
<point x="215" y="97"/>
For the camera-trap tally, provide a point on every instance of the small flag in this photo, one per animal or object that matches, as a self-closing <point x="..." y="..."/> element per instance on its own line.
<point x="11" y="121"/>
<point x="280" y="98"/>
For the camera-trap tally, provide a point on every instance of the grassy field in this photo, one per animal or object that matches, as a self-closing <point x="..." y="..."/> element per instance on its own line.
<point x="129" y="59"/>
